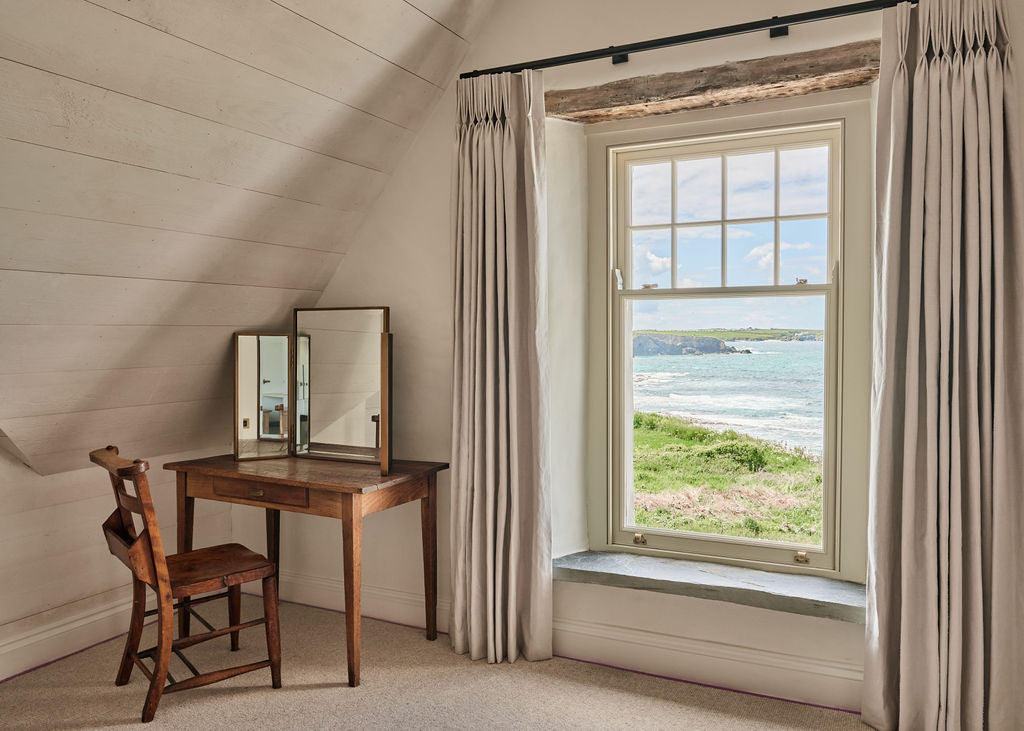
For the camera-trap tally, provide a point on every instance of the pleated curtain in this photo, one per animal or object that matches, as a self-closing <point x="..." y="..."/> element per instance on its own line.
<point x="945" y="621"/>
<point x="501" y="515"/>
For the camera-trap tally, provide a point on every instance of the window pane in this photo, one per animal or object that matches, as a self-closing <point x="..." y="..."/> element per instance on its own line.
<point x="751" y="185"/>
<point x="699" y="190"/>
<point x="751" y="254"/>
<point x="728" y="423"/>
<point x="803" y="181"/>
<point x="651" y="194"/>
<point x="652" y="258"/>
<point x="803" y="251"/>
<point x="699" y="256"/>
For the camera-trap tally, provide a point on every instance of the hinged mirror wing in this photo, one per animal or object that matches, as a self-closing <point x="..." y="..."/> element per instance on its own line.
<point x="341" y="371"/>
<point x="262" y="395"/>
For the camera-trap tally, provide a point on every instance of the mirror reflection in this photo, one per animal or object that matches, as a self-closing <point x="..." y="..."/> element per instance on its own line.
<point x="261" y="395"/>
<point x="341" y="362"/>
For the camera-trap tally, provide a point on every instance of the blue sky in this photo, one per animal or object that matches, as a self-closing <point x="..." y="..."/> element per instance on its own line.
<point x="803" y="248"/>
<point x="803" y="313"/>
<point x="699" y="190"/>
<point x="699" y="263"/>
<point x="751" y="185"/>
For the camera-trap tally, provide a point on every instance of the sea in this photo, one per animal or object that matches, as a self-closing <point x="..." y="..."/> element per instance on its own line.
<point x="777" y="392"/>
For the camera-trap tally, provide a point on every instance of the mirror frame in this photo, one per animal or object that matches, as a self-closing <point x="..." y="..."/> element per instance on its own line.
<point x="288" y="391"/>
<point x="386" y="345"/>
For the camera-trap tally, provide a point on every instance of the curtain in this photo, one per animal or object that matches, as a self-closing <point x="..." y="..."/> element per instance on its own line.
<point x="501" y="515"/>
<point x="945" y="620"/>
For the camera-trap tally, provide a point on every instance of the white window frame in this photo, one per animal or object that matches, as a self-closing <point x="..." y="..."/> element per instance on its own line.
<point x="843" y="117"/>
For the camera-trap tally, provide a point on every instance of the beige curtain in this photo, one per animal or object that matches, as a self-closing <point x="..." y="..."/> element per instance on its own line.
<point x="501" y="524"/>
<point x="945" y="595"/>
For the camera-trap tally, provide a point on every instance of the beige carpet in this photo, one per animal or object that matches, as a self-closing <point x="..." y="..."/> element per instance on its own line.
<point x="407" y="682"/>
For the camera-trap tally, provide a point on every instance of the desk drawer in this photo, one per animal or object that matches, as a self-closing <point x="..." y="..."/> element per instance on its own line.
<point x="261" y="492"/>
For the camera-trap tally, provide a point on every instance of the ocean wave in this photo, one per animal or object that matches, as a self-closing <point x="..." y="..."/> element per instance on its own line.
<point x="778" y="398"/>
<point x="659" y="377"/>
<point x="732" y="402"/>
<point x="810" y="440"/>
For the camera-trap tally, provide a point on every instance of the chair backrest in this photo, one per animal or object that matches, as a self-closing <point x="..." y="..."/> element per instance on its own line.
<point x="143" y="552"/>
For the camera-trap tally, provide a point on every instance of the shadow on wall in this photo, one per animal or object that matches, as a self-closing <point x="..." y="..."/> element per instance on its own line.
<point x="153" y="221"/>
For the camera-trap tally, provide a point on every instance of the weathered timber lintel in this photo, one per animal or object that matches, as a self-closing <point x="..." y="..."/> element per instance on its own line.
<point x="737" y="82"/>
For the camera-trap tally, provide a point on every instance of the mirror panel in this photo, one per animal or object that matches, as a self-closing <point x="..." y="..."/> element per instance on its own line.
<point x="341" y="383"/>
<point x="261" y="395"/>
<point x="302" y="393"/>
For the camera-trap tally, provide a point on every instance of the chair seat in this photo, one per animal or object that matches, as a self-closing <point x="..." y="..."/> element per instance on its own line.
<point x="216" y="567"/>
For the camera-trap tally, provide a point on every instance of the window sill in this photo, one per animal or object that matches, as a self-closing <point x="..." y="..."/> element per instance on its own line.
<point x="814" y="596"/>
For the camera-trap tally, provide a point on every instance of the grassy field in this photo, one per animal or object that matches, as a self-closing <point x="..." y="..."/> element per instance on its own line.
<point x="687" y="477"/>
<point x="741" y="334"/>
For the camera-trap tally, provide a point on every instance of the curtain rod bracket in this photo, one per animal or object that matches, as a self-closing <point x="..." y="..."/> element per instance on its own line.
<point x="620" y="58"/>
<point x="778" y="31"/>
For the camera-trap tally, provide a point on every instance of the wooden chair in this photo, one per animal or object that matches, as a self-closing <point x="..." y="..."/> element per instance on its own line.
<point x="180" y="577"/>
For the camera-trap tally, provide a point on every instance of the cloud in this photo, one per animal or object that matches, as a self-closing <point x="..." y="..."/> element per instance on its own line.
<point x="762" y="256"/>
<point x="751" y="180"/>
<point x="691" y="233"/>
<point x="651" y="194"/>
<point x="699" y="189"/>
<point x="803" y="180"/>
<point x="656" y="264"/>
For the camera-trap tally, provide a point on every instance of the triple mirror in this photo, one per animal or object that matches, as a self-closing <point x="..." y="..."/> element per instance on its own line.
<point x="322" y="392"/>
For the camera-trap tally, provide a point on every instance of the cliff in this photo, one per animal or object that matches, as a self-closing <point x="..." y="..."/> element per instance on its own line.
<point x="655" y="343"/>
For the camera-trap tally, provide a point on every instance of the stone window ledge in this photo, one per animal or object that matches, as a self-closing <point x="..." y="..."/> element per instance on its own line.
<point x="814" y="596"/>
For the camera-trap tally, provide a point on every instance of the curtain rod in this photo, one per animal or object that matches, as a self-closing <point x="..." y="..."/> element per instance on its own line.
<point x="777" y="25"/>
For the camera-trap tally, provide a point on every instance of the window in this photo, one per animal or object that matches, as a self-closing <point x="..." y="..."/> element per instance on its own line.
<point x="731" y="367"/>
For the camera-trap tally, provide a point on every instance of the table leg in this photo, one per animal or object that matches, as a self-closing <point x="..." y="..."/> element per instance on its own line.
<point x="352" y="538"/>
<point x="274" y="538"/>
<point x="186" y="516"/>
<point x="428" y="528"/>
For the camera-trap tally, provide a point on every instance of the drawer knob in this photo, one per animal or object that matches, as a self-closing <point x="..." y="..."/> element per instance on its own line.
<point x="256" y="491"/>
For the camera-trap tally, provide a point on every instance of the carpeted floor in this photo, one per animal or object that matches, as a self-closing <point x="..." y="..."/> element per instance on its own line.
<point x="407" y="682"/>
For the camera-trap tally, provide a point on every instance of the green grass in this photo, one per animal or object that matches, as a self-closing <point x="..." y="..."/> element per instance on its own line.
<point x="690" y="478"/>
<point x="741" y="334"/>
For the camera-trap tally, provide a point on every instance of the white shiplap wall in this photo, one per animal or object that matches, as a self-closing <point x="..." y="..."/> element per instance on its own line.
<point x="171" y="172"/>
<point x="167" y="166"/>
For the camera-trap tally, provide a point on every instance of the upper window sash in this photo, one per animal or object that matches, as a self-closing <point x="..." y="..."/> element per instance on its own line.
<point x="662" y="231"/>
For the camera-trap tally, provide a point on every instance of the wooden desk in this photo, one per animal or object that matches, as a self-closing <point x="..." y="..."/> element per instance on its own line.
<point x="345" y="490"/>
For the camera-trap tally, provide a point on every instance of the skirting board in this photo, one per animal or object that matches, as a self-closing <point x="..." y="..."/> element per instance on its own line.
<point x="42" y="638"/>
<point x="794" y="677"/>
<point x="791" y="677"/>
<point x="47" y="636"/>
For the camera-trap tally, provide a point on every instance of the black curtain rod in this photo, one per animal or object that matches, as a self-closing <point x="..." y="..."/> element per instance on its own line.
<point x="840" y="11"/>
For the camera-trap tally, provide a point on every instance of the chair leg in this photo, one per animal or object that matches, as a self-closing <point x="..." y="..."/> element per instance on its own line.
<point x="273" y="629"/>
<point x="234" y="611"/>
<point x="162" y="659"/>
<point x="131" y="643"/>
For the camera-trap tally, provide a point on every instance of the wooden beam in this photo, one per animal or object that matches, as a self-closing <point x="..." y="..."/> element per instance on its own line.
<point x="714" y="86"/>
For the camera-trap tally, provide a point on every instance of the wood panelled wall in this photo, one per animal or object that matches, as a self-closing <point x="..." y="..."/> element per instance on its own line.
<point x="171" y="172"/>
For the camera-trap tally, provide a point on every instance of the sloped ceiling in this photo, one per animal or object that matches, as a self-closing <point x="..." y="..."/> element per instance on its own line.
<point x="171" y="172"/>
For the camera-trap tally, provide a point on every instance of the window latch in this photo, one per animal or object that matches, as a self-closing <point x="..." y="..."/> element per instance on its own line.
<point x="801" y="557"/>
<point x="618" y="278"/>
